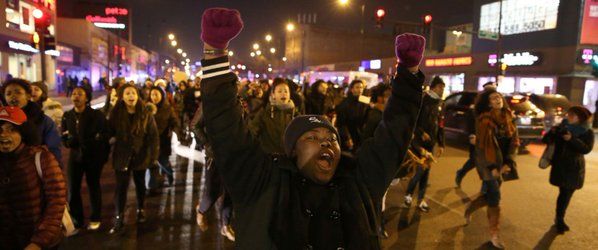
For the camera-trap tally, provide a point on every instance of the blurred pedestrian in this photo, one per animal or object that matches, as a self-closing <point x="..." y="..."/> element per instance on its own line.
<point x="112" y="96"/>
<point x="17" y="93"/>
<point x="51" y="108"/>
<point x="254" y="97"/>
<point x="32" y="202"/>
<point x="86" y="84"/>
<point x="352" y="114"/>
<point x="496" y="148"/>
<point x="135" y="146"/>
<point x="309" y="197"/>
<point x="167" y="122"/>
<point x="84" y="132"/>
<point x="427" y="135"/>
<point x="145" y="89"/>
<point x="318" y="102"/>
<point x="572" y="139"/>
<point x="269" y="123"/>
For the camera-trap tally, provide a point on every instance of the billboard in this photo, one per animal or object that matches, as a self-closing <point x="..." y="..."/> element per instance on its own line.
<point x="519" y="16"/>
<point x="589" y="25"/>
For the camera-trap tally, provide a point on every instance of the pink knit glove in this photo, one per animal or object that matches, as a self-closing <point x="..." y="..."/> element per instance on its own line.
<point x="219" y="26"/>
<point x="409" y="48"/>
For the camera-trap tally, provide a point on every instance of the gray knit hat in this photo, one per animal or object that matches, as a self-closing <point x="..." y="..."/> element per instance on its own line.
<point x="302" y="124"/>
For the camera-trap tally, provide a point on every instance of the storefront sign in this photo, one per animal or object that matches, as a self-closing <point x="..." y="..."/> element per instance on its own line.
<point x="116" y="11"/>
<point x="28" y="48"/>
<point x="101" y="19"/>
<point x="66" y="54"/>
<point x="376" y="64"/>
<point x="120" y="26"/>
<point x="516" y="59"/>
<point x="449" y="62"/>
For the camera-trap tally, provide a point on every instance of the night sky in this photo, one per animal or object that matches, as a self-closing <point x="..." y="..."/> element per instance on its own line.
<point x="154" y="19"/>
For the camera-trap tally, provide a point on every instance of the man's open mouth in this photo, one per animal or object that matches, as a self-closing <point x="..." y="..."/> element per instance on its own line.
<point x="325" y="160"/>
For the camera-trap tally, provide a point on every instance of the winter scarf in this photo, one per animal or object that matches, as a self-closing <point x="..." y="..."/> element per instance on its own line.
<point x="488" y="124"/>
<point x="575" y="129"/>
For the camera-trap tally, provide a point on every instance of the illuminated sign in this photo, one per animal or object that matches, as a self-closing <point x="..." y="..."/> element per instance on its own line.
<point x="588" y="34"/>
<point x="587" y="55"/>
<point x="101" y="19"/>
<point x="519" y="16"/>
<point x="447" y="62"/>
<point x="116" y="11"/>
<point x="120" y="26"/>
<point x="516" y="59"/>
<point x="28" y="48"/>
<point x="376" y="64"/>
<point x="66" y="54"/>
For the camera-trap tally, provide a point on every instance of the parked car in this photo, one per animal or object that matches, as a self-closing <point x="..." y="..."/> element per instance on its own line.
<point x="554" y="106"/>
<point x="459" y="107"/>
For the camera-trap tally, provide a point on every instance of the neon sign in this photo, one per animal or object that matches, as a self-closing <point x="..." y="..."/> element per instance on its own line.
<point x="101" y="19"/>
<point x="115" y="11"/>
<point x="515" y="59"/>
<point x="28" y="48"/>
<point x="447" y="62"/>
<point x="587" y="55"/>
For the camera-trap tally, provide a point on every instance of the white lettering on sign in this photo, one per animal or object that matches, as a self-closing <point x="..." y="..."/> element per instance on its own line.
<point x="110" y="25"/>
<point x="520" y="59"/>
<point x="28" y="48"/>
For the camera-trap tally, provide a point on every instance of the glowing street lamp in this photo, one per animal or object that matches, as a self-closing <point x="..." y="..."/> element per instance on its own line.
<point x="284" y="58"/>
<point x="272" y="50"/>
<point x="259" y="52"/>
<point x="256" y="46"/>
<point x="180" y="51"/>
<point x="184" y="54"/>
<point x="173" y="43"/>
<point x="343" y="2"/>
<point x="252" y="54"/>
<point x="167" y="61"/>
<point x="290" y="27"/>
<point x="188" y="60"/>
<point x="268" y="38"/>
<point x="170" y="36"/>
<point x="231" y="53"/>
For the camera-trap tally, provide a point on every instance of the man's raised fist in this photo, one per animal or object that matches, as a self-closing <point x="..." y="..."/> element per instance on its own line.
<point x="219" y="26"/>
<point x="409" y="48"/>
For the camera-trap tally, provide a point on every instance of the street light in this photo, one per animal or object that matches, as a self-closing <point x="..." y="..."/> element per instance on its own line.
<point x="259" y="52"/>
<point x="290" y="27"/>
<point x="272" y="50"/>
<point x="171" y="36"/>
<point x="184" y="54"/>
<point x="256" y="46"/>
<point x="252" y="54"/>
<point x="268" y="38"/>
<point x="231" y="53"/>
<point x="167" y="61"/>
<point x="284" y="58"/>
<point x="343" y="2"/>
<point x="173" y="43"/>
<point x="179" y="51"/>
<point x="188" y="60"/>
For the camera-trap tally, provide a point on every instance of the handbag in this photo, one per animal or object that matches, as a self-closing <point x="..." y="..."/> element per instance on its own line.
<point x="545" y="160"/>
<point x="511" y="175"/>
<point x="68" y="227"/>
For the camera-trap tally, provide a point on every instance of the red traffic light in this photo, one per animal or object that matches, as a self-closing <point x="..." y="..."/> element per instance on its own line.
<point x="380" y="13"/>
<point x="38" y="14"/>
<point x="427" y="19"/>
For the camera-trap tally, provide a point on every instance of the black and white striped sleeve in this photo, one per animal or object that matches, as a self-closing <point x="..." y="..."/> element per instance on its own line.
<point x="215" y="67"/>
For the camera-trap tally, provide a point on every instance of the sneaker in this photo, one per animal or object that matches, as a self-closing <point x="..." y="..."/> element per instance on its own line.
<point x="118" y="225"/>
<point x="227" y="231"/>
<point x="94" y="225"/>
<point x="423" y="206"/>
<point x="408" y="201"/>
<point x="141" y="216"/>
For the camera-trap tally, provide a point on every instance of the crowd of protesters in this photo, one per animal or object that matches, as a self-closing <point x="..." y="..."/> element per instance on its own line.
<point x="286" y="165"/>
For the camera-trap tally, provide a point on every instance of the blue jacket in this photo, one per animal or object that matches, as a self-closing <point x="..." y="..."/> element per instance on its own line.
<point x="46" y="129"/>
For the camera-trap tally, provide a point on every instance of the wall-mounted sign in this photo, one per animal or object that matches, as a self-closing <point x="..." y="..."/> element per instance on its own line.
<point x="376" y="64"/>
<point x="516" y="59"/>
<point x="448" y="62"/>
<point x="28" y="48"/>
<point x="589" y="25"/>
<point x="66" y="54"/>
<point x="106" y="16"/>
<point x="587" y="55"/>
<point x="116" y="11"/>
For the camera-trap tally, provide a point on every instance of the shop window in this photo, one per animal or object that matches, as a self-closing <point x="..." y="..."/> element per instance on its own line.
<point x="13" y="18"/>
<point x="536" y="85"/>
<point x="590" y="95"/>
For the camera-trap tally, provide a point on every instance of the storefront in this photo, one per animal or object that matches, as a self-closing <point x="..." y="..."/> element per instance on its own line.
<point x="18" y="59"/>
<point x="453" y="70"/>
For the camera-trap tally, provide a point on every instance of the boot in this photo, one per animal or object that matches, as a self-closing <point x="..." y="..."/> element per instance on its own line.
<point x="494" y="223"/>
<point x="202" y="222"/>
<point x="141" y="216"/>
<point x="118" y="224"/>
<point x="561" y="226"/>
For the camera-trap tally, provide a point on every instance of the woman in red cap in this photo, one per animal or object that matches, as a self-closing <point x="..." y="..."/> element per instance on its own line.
<point x="31" y="207"/>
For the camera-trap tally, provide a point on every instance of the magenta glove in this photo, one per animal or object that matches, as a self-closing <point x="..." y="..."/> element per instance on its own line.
<point x="219" y="26"/>
<point x="409" y="48"/>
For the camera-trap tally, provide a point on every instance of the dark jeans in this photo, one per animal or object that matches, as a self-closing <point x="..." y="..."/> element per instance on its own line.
<point x="469" y="164"/>
<point x="122" y="186"/>
<point x="92" y="172"/>
<point x="421" y="177"/>
<point x="492" y="194"/>
<point x="562" y="202"/>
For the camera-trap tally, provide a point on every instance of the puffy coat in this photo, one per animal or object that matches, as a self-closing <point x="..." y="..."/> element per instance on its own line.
<point x="46" y="129"/>
<point x="271" y="197"/>
<point x="268" y="127"/>
<point x="134" y="151"/>
<point x="31" y="207"/>
<point x="568" y="162"/>
<point x="352" y="116"/>
<point x="166" y="122"/>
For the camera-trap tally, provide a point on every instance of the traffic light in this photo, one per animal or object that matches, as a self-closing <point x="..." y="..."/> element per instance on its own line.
<point x="380" y="13"/>
<point x="427" y="24"/>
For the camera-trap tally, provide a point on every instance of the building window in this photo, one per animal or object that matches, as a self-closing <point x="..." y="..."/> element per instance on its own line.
<point x="519" y="16"/>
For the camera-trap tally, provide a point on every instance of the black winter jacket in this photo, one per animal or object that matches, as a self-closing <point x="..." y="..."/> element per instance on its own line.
<point x="429" y="123"/>
<point x="568" y="162"/>
<point x="272" y="199"/>
<point x="166" y="122"/>
<point x="86" y="134"/>
<point x="352" y="116"/>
